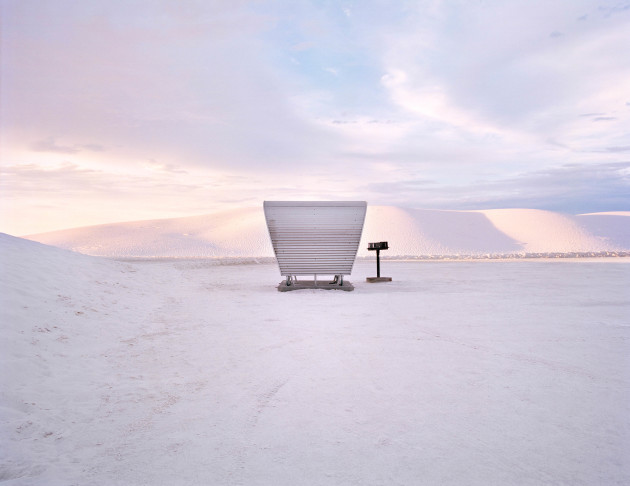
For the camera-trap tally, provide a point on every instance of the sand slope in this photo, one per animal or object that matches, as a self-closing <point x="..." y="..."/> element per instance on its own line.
<point x="410" y="232"/>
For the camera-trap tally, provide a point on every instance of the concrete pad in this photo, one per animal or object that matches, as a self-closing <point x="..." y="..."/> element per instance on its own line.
<point x="378" y="279"/>
<point x="310" y="284"/>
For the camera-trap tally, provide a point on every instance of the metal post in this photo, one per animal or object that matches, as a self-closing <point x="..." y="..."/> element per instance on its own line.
<point x="378" y="263"/>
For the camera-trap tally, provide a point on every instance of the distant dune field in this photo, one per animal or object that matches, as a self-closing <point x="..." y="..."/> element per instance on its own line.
<point x="242" y="233"/>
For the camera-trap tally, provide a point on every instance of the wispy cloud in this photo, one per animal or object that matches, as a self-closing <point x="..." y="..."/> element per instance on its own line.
<point x="51" y="145"/>
<point x="618" y="149"/>
<point x="572" y="188"/>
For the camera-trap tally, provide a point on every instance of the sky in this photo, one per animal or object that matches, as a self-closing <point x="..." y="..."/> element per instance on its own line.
<point x="127" y="110"/>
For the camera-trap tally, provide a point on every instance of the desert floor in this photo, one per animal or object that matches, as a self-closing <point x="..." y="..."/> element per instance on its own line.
<point x="188" y="372"/>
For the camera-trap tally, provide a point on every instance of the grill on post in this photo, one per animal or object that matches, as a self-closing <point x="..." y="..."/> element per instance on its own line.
<point x="381" y="245"/>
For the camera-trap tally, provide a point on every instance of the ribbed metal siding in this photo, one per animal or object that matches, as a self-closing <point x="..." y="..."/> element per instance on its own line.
<point x="315" y="237"/>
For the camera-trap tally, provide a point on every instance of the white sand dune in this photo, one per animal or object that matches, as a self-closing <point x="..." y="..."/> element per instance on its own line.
<point x="188" y="372"/>
<point x="544" y="231"/>
<point x="410" y="232"/>
<point x="234" y="233"/>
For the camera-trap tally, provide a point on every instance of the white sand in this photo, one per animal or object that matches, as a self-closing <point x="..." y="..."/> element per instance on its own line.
<point x="187" y="372"/>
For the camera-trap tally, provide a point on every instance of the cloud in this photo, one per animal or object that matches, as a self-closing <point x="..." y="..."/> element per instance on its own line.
<point x="572" y="188"/>
<point x="620" y="8"/>
<point x="152" y="81"/>
<point x="50" y="145"/>
<point x="303" y="46"/>
<point x="32" y="179"/>
<point x="172" y="168"/>
<point x="618" y="149"/>
<point x="499" y="71"/>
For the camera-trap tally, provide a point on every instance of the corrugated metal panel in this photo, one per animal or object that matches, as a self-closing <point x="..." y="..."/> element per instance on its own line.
<point x="315" y="237"/>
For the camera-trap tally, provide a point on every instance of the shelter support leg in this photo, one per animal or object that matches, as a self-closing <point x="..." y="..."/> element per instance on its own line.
<point x="338" y="280"/>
